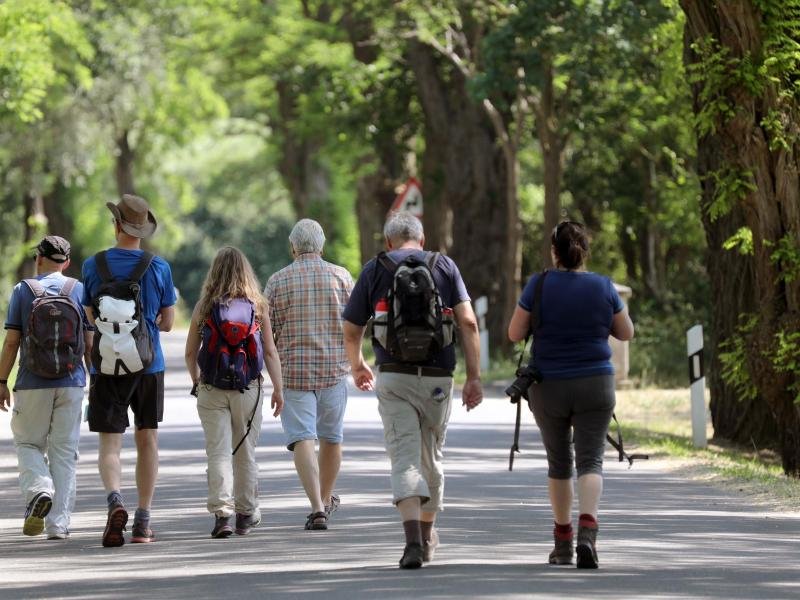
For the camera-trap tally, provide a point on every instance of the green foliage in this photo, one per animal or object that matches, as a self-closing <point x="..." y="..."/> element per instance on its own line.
<point x="742" y="240"/>
<point x="731" y="185"/>
<point x="786" y="254"/>
<point x="733" y="356"/>
<point x="41" y="46"/>
<point x="785" y="358"/>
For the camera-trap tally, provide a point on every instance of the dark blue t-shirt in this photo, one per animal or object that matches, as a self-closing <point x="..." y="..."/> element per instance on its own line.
<point x="158" y="291"/>
<point x="576" y="312"/>
<point x="19" y="312"/>
<point x="374" y="283"/>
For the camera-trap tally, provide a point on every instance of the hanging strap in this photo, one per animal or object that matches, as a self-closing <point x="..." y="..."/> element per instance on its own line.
<point x="252" y="415"/>
<point x="386" y="262"/>
<point x="37" y="289"/>
<point x="536" y="319"/>
<point x="618" y="446"/>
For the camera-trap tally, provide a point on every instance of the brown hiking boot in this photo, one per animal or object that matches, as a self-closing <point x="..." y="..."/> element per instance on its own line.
<point x="562" y="551"/>
<point x="412" y="557"/>
<point x="115" y="525"/>
<point x="587" y="553"/>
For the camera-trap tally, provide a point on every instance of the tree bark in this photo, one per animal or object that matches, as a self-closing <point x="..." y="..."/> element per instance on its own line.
<point x="35" y="226"/>
<point x="123" y="167"/>
<point x="739" y="142"/>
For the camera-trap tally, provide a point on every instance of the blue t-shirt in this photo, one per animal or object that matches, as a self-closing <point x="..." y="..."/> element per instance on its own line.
<point x="19" y="311"/>
<point x="576" y="313"/>
<point x="374" y="283"/>
<point x="158" y="291"/>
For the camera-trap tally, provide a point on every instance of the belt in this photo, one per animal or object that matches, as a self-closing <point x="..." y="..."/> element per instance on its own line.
<point x="414" y="370"/>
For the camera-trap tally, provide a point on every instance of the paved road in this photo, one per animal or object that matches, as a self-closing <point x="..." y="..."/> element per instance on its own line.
<point x="661" y="535"/>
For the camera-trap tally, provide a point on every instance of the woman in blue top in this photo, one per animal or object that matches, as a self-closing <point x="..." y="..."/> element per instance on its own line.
<point x="575" y="399"/>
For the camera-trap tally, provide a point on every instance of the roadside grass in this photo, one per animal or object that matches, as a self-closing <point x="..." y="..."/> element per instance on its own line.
<point x="658" y="422"/>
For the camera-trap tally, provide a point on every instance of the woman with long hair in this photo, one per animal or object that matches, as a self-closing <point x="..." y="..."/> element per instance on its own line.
<point x="230" y="340"/>
<point x="575" y="312"/>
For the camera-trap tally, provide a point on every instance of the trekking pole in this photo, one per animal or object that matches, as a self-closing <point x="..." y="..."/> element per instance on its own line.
<point x="252" y="416"/>
<point x="515" y="445"/>
<point x="618" y="446"/>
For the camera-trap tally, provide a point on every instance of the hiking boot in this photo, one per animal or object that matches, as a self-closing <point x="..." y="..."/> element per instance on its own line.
<point x="115" y="525"/>
<point x="412" y="557"/>
<point x="562" y="552"/>
<point x="35" y="513"/>
<point x="142" y="534"/>
<point x="587" y="554"/>
<point x="429" y="546"/>
<point x="331" y="508"/>
<point x="222" y="527"/>
<point x="317" y="521"/>
<point x="244" y="523"/>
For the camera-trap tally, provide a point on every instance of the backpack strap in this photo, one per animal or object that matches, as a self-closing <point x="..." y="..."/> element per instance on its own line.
<point x="69" y="285"/>
<point x="141" y="268"/>
<point x="431" y="258"/>
<point x="138" y="271"/>
<point x="37" y="289"/>
<point x="386" y="262"/>
<point x="102" y="267"/>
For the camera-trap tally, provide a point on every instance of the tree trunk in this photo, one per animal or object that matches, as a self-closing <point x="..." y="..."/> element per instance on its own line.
<point x="553" y="145"/>
<point x="123" y="167"/>
<point x="465" y="170"/>
<point x="374" y="196"/>
<point x="739" y="143"/>
<point x="59" y="222"/>
<point x="35" y="228"/>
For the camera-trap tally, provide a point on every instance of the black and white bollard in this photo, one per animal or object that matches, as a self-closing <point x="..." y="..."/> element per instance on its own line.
<point x="697" y="384"/>
<point x="481" y="308"/>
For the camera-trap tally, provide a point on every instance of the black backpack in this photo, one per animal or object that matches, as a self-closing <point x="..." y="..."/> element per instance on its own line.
<point x="411" y="323"/>
<point x="122" y="343"/>
<point x="53" y="342"/>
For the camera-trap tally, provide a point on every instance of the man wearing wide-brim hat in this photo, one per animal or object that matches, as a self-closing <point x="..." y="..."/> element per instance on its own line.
<point x="128" y="364"/>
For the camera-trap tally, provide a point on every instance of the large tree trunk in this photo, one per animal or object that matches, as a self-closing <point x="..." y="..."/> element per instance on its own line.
<point x="553" y="144"/>
<point x="374" y="196"/>
<point x="739" y="144"/>
<point x="464" y="170"/>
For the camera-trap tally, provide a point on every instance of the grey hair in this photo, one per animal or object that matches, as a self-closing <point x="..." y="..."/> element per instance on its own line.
<point x="307" y="236"/>
<point x="403" y="227"/>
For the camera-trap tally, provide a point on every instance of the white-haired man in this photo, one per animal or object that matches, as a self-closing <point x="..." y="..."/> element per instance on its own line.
<point x="306" y="300"/>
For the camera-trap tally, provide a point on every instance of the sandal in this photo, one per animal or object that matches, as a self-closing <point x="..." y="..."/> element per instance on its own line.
<point x="313" y="521"/>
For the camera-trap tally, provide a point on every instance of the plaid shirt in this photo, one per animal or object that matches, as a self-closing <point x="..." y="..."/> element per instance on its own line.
<point x="306" y="300"/>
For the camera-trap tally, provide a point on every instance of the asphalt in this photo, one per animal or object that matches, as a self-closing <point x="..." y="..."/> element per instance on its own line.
<point x="662" y="535"/>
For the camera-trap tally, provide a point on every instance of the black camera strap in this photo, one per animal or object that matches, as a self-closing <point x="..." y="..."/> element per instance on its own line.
<point x="536" y="319"/>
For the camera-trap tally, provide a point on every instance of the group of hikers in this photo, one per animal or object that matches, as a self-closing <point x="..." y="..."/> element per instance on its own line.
<point x="306" y="328"/>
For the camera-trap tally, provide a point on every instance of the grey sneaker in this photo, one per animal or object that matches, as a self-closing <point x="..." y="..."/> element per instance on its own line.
<point x="35" y="513"/>
<point x="429" y="546"/>
<point x="587" y="553"/>
<point x="562" y="551"/>
<point x="244" y="523"/>
<point x="222" y="527"/>
<point x="333" y="506"/>
<point x="58" y="535"/>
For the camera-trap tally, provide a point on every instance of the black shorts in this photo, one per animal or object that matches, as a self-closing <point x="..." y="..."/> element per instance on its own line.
<point x="110" y="397"/>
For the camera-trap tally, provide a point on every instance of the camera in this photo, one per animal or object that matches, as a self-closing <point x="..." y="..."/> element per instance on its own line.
<point x="526" y="376"/>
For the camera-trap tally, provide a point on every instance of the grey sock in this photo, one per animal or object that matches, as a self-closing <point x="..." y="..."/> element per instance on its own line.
<point x="142" y="517"/>
<point x="114" y="498"/>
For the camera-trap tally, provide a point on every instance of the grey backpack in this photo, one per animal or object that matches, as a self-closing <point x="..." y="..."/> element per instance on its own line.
<point x="53" y="343"/>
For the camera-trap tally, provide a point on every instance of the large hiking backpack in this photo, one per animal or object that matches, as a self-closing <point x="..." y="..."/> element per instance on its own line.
<point x="231" y="354"/>
<point x="411" y="323"/>
<point x="122" y="342"/>
<point x="53" y="342"/>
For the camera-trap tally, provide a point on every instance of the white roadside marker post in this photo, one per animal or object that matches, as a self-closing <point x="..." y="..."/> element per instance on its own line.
<point x="697" y="385"/>
<point x="481" y="308"/>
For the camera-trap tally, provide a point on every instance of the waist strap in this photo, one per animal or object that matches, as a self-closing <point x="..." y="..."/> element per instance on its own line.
<point x="420" y="371"/>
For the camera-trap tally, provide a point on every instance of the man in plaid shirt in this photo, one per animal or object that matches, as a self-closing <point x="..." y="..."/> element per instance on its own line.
<point x="306" y="300"/>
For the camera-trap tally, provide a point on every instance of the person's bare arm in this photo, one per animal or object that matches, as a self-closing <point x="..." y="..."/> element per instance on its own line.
<point x="622" y="326"/>
<point x="472" y="392"/>
<point x="520" y="324"/>
<point x="273" y="364"/>
<point x="166" y="318"/>
<point x="88" y="343"/>
<point x="7" y="358"/>
<point x="362" y="374"/>
<point x="193" y="347"/>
